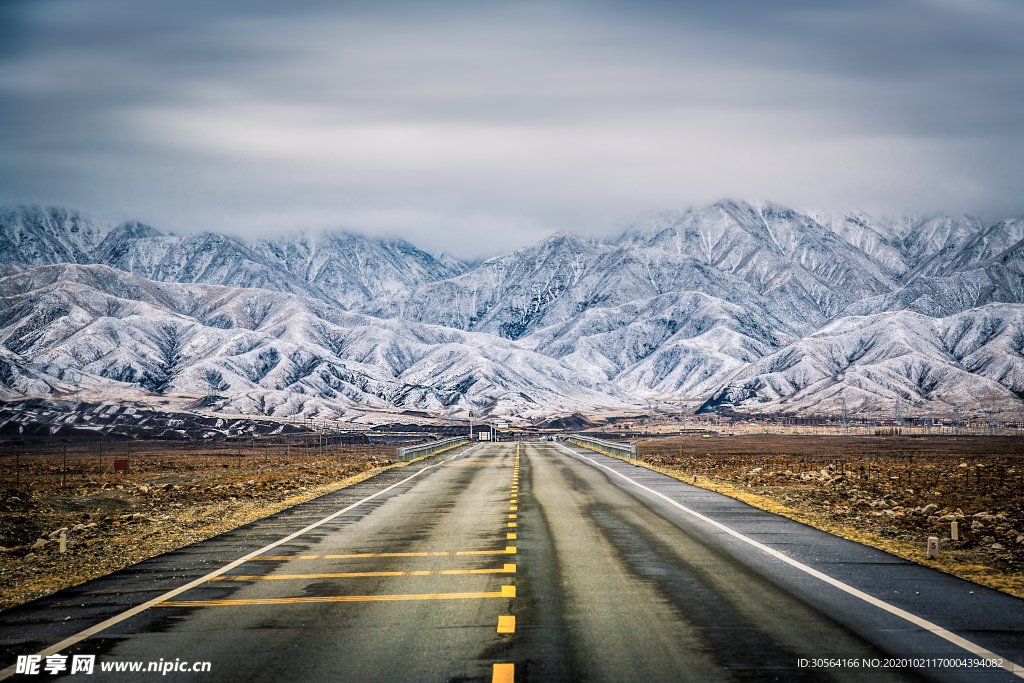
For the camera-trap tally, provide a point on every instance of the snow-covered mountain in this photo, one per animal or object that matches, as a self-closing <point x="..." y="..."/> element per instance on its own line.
<point x="338" y="267"/>
<point x="36" y="236"/>
<point x="352" y="269"/>
<point x="754" y="305"/>
<point x="871" y="362"/>
<point x="266" y="352"/>
<point x="678" y="344"/>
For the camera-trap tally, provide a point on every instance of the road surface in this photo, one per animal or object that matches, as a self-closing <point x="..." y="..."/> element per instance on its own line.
<point x="524" y="562"/>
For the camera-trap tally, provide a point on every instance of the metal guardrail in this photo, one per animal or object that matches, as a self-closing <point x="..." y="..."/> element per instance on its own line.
<point x="406" y="453"/>
<point x="605" y="447"/>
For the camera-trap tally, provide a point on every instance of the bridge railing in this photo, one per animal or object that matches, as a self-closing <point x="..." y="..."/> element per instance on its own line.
<point x="406" y="453"/>
<point x="629" y="452"/>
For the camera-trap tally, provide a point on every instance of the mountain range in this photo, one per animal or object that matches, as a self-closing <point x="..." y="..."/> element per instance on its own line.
<point x="753" y="306"/>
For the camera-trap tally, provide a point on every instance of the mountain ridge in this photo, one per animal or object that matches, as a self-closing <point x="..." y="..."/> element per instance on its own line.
<point x="750" y="305"/>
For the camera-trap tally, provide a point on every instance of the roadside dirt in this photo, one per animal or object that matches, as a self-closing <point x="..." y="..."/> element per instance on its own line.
<point x="888" y="492"/>
<point x="165" y="501"/>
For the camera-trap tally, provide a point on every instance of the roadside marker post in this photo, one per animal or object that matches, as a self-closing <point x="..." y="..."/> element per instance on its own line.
<point x="954" y="532"/>
<point x="933" y="546"/>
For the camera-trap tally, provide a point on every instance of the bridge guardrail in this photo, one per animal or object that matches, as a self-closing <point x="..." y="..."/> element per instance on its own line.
<point x="406" y="453"/>
<point x="606" y="447"/>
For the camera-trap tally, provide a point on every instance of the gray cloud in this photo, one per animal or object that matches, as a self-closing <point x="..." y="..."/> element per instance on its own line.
<point x="478" y="128"/>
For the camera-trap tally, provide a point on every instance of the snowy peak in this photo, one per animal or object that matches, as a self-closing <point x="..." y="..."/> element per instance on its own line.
<point x="354" y="269"/>
<point x="336" y="266"/>
<point x="35" y="236"/>
<point x="507" y="295"/>
<point x="907" y="246"/>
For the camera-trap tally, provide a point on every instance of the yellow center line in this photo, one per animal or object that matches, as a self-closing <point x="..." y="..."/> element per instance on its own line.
<point x="507" y="569"/>
<point x="509" y="550"/>
<point x="510" y="537"/>
<point x="503" y="673"/>
<point x="511" y="524"/>
<point x="513" y="508"/>
<point x="505" y="592"/>
<point x="506" y="624"/>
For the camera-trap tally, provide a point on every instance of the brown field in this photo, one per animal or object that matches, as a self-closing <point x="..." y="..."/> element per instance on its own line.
<point x="877" y="490"/>
<point x="172" y="495"/>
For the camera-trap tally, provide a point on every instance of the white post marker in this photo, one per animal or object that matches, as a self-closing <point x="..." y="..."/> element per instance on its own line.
<point x="935" y="629"/>
<point x="63" y="541"/>
<point x="954" y="532"/>
<point x="933" y="546"/>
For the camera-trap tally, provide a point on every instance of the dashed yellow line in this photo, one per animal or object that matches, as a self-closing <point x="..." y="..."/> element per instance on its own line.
<point x="507" y="569"/>
<point x="505" y="592"/>
<point x="503" y="673"/>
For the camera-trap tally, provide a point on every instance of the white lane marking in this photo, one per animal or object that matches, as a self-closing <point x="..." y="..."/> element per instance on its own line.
<point x="103" y="625"/>
<point x="973" y="648"/>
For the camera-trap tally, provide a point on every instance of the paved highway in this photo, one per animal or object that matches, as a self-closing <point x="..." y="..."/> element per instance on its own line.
<point x="538" y="561"/>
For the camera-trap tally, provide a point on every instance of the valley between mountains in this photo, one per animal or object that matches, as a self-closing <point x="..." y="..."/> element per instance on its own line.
<point x="752" y="307"/>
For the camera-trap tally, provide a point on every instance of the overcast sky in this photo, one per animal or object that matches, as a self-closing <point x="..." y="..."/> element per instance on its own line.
<point x="479" y="127"/>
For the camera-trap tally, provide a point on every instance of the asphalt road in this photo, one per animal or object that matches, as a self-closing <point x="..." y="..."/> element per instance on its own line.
<point x="556" y="564"/>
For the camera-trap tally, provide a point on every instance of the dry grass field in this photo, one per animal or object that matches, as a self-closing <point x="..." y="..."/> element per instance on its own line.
<point x="171" y="495"/>
<point x="890" y="492"/>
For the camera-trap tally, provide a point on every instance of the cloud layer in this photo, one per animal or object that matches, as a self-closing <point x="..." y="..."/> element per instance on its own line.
<point x="479" y="127"/>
